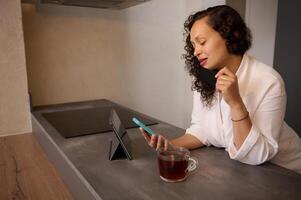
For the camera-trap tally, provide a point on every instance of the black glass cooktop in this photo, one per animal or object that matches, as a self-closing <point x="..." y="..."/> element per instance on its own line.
<point x="73" y="123"/>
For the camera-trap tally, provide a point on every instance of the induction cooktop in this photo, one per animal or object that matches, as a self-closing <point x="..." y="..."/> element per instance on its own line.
<point x="80" y="122"/>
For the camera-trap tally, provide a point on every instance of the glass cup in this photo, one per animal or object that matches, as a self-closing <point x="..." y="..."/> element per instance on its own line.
<point x="174" y="164"/>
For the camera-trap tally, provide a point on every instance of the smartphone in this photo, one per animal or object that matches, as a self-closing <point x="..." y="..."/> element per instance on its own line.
<point x="140" y="124"/>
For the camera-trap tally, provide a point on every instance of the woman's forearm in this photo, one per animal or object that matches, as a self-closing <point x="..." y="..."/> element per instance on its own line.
<point x="241" y="124"/>
<point x="188" y="141"/>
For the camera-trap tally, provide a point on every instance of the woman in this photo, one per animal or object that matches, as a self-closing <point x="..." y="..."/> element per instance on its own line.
<point x="243" y="111"/>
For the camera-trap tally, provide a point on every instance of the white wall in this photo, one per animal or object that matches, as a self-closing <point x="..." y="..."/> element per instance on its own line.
<point x="131" y="56"/>
<point x="154" y="76"/>
<point x="14" y="104"/>
<point x="261" y="18"/>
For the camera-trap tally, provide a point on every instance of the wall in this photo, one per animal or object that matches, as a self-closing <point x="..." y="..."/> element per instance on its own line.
<point x="73" y="53"/>
<point x="154" y="71"/>
<point x="14" y="105"/>
<point x="131" y="56"/>
<point x="239" y="6"/>
<point x="261" y="18"/>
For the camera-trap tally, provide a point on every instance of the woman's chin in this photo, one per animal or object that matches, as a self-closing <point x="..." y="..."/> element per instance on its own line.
<point x="208" y="67"/>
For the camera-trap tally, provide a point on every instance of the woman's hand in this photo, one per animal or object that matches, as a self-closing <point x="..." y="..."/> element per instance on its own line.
<point x="227" y="84"/>
<point x="156" y="141"/>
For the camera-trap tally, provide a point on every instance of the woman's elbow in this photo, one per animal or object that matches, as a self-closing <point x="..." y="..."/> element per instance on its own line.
<point x="255" y="157"/>
<point x="253" y="162"/>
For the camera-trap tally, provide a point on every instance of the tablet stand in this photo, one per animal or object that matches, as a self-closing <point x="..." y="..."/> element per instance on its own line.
<point x="116" y="151"/>
<point x="120" y="142"/>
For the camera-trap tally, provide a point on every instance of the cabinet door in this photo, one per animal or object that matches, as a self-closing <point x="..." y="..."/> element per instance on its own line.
<point x="287" y="58"/>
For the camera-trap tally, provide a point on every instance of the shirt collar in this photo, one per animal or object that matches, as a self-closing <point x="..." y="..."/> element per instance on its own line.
<point x="242" y="65"/>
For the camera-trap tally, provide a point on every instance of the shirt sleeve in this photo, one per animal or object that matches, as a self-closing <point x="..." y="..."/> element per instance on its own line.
<point x="196" y="128"/>
<point x="261" y="144"/>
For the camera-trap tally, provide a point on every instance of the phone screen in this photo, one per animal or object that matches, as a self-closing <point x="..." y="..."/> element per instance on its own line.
<point x="140" y="124"/>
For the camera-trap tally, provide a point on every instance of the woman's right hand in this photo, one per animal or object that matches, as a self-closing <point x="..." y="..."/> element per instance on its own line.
<point x="156" y="141"/>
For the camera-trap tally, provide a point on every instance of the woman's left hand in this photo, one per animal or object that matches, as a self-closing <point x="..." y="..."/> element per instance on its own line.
<point x="227" y="84"/>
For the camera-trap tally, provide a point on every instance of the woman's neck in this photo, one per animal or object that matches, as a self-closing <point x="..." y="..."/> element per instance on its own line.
<point x="233" y="62"/>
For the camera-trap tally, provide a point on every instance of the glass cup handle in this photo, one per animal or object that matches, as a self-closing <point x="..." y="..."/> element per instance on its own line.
<point x="192" y="164"/>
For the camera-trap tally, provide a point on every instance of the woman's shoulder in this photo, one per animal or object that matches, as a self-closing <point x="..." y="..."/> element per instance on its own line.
<point x="264" y="75"/>
<point x="263" y="70"/>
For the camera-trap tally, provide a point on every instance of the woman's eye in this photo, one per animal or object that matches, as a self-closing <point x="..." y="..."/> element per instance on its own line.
<point x="202" y="43"/>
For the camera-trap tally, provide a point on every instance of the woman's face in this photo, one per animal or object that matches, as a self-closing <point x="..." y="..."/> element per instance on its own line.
<point x="209" y="47"/>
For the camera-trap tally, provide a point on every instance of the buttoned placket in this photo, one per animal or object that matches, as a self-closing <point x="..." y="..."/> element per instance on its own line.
<point x="220" y="118"/>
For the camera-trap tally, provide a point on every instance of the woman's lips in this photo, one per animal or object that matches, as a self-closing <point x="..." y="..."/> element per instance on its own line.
<point x="203" y="61"/>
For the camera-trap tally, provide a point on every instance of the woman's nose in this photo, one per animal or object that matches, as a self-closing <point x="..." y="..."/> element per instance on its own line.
<point x="197" y="51"/>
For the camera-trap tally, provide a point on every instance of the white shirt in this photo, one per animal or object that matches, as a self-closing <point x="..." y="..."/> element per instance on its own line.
<point x="270" y="138"/>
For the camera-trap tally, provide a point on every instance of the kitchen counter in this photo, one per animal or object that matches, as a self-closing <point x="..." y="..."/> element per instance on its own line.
<point x="84" y="166"/>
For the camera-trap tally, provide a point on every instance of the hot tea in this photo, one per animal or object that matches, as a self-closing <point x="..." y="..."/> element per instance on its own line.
<point x="174" y="168"/>
<point x="175" y="164"/>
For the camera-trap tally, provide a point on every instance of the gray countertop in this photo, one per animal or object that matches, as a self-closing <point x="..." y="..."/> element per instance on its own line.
<point x="217" y="176"/>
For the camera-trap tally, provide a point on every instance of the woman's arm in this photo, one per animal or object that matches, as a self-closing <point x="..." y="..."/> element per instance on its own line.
<point x="256" y="141"/>
<point x="228" y="86"/>
<point x="241" y="123"/>
<point x="158" y="141"/>
<point x="188" y="141"/>
<point x="261" y="143"/>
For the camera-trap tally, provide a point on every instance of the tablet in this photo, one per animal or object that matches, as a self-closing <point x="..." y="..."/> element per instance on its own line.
<point x="120" y="145"/>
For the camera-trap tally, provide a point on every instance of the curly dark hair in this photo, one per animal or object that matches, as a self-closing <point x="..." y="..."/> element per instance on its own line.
<point x="231" y="27"/>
